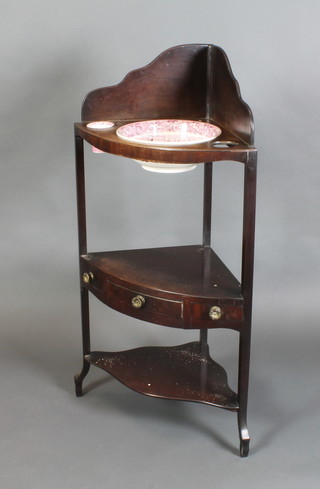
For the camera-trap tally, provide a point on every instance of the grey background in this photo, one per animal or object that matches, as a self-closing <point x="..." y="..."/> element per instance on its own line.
<point x="52" y="54"/>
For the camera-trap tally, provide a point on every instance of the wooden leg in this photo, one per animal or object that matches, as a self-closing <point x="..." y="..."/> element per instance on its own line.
<point x="243" y="384"/>
<point x="82" y="236"/>
<point x="78" y="379"/>
<point x="244" y="434"/>
<point x="246" y="279"/>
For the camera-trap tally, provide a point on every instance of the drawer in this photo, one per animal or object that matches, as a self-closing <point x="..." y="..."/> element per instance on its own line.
<point x="145" y="307"/>
<point x="210" y="314"/>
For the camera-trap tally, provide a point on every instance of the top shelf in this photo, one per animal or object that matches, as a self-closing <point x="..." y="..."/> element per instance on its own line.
<point x="108" y="141"/>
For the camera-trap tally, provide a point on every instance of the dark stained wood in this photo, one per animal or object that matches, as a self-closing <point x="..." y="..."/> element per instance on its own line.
<point x="206" y="234"/>
<point x="81" y="197"/>
<point x="109" y="142"/>
<point x="189" y="81"/>
<point x="229" y="109"/>
<point x="247" y="288"/>
<point x="172" y="86"/>
<point x="178" y="285"/>
<point x="207" y="205"/>
<point x="155" y="310"/>
<point x="186" y="82"/>
<point x="181" y="372"/>
<point x="170" y="272"/>
<point x="82" y="240"/>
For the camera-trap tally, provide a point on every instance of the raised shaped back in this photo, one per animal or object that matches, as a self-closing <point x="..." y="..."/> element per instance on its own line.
<point x="192" y="81"/>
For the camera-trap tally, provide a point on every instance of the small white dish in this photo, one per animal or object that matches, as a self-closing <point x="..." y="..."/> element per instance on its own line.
<point x="100" y="125"/>
<point x="168" y="132"/>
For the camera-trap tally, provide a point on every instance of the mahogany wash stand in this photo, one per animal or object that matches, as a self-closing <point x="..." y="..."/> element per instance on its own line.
<point x="183" y="286"/>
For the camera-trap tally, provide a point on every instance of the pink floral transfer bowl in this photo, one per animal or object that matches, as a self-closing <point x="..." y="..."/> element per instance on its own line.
<point x="168" y="132"/>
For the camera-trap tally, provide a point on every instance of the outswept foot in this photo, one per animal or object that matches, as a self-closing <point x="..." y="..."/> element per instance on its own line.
<point x="244" y="448"/>
<point x="78" y="379"/>
<point x="244" y="437"/>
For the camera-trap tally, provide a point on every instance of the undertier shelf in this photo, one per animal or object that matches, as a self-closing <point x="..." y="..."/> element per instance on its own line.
<point x="181" y="372"/>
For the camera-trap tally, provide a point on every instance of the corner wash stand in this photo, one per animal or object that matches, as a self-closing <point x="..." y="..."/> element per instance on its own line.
<point x="185" y="287"/>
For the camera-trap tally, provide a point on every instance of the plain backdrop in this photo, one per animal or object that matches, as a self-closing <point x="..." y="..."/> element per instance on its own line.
<point x="52" y="54"/>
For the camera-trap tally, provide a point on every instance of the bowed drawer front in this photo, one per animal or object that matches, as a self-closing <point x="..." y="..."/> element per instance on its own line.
<point x="142" y="306"/>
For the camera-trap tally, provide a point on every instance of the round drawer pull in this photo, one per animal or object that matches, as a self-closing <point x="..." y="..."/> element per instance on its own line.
<point x="215" y="313"/>
<point x="87" y="277"/>
<point x="138" y="301"/>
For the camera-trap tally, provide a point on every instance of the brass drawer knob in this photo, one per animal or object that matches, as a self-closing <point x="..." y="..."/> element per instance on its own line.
<point x="215" y="313"/>
<point x="87" y="277"/>
<point x="138" y="301"/>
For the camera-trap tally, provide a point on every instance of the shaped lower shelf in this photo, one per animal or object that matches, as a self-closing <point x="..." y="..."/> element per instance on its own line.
<point x="181" y="372"/>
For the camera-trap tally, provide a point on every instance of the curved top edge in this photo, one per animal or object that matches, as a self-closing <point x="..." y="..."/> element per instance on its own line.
<point x="144" y="67"/>
<point x="188" y="81"/>
<point x="238" y="90"/>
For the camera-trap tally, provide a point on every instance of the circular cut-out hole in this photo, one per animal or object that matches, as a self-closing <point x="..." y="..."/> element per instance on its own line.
<point x="224" y="144"/>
